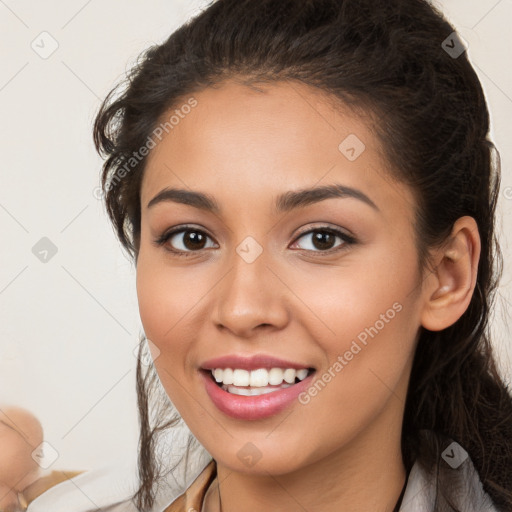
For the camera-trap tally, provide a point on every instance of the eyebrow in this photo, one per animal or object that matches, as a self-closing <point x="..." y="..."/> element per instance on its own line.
<point x="285" y="202"/>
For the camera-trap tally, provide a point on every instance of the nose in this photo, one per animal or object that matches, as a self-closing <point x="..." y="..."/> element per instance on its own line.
<point x="251" y="297"/>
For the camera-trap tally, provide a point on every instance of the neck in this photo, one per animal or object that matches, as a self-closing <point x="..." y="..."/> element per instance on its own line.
<point x="367" y="474"/>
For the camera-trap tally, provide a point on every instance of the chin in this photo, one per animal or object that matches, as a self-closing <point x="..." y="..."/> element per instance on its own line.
<point x="278" y="463"/>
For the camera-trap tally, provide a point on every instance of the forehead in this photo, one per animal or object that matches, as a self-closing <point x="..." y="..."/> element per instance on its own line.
<point x="267" y="139"/>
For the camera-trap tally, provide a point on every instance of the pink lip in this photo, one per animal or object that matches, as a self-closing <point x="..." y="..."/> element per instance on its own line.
<point x="251" y="362"/>
<point x="253" y="407"/>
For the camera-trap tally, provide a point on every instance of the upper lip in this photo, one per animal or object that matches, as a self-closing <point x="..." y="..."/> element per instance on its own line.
<point x="250" y="362"/>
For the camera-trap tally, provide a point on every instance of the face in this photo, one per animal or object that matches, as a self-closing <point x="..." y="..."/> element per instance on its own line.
<point x="329" y="283"/>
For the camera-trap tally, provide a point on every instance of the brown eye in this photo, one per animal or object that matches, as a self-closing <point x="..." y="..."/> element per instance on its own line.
<point x="184" y="240"/>
<point x="323" y="240"/>
<point x="193" y="240"/>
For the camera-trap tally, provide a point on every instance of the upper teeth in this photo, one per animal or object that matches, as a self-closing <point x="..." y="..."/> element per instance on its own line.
<point x="258" y="378"/>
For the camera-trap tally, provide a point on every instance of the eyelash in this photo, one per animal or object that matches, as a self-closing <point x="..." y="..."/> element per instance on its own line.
<point x="347" y="239"/>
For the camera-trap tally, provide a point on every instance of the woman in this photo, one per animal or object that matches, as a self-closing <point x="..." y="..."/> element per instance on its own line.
<point x="307" y="189"/>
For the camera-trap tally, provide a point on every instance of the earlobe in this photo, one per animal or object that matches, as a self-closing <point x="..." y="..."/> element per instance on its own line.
<point x="450" y="286"/>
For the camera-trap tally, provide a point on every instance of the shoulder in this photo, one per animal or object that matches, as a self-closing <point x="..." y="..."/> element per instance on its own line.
<point x="192" y="498"/>
<point x="83" y="491"/>
<point x="46" y="482"/>
<point x="112" y="487"/>
<point x="450" y="482"/>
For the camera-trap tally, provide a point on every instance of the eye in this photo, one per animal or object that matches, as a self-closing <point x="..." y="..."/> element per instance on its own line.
<point x="183" y="240"/>
<point x="321" y="239"/>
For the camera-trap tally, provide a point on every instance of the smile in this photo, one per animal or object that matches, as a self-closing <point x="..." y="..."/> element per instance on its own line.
<point x="257" y="382"/>
<point x="258" y="378"/>
<point x="255" y="394"/>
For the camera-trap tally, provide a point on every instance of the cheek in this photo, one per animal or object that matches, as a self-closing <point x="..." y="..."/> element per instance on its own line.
<point x="160" y="310"/>
<point x="365" y="319"/>
<point x="374" y="287"/>
<point x="164" y="297"/>
<point x="154" y="309"/>
<point x="170" y="309"/>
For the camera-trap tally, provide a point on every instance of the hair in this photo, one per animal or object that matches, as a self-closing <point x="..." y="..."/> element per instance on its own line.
<point x="386" y="59"/>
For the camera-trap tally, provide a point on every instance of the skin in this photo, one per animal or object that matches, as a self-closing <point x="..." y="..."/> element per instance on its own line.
<point x="340" y="451"/>
<point x="20" y="433"/>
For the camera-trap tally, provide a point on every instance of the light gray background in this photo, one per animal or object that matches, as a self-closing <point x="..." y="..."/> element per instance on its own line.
<point x="68" y="327"/>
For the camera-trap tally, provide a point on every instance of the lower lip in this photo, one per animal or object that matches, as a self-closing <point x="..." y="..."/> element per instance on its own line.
<point x="253" y="407"/>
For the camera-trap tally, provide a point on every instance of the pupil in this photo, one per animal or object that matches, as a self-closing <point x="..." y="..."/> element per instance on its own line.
<point x="194" y="237"/>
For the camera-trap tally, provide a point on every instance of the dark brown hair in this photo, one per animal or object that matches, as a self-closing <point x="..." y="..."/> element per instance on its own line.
<point x="388" y="59"/>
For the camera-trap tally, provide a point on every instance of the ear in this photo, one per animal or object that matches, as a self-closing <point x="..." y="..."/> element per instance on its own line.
<point x="449" y="288"/>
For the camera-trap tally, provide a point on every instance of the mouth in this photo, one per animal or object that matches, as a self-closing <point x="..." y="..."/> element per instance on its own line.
<point x="238" y="381"/>
<point x="255" y="394"/>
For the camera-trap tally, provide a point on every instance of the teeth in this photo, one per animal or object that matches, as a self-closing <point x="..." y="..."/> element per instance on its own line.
<point x="275" y="376"/>
<point x="260" y="378"/>
<point x="289" y="375"/>
<point x="227" y="376"/>
<point x="253" y="391"/>
<point x="302" y="374"/>
<point x="240" y="377"/>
